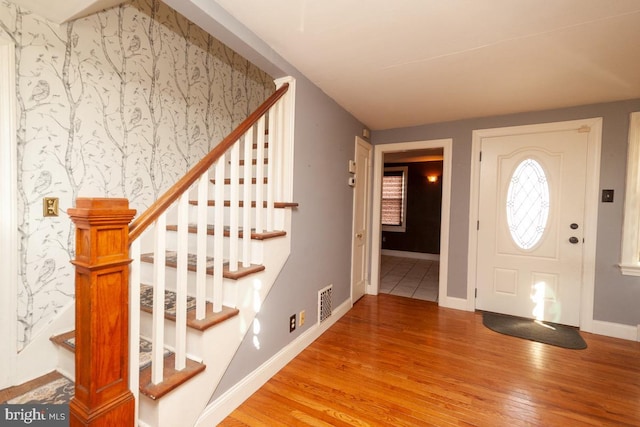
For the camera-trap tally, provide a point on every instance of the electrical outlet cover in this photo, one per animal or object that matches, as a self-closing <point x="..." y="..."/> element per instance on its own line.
<point x="292" y="323"/>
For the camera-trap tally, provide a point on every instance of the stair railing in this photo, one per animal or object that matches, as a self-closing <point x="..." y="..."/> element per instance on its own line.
<point x="148" y="231"/>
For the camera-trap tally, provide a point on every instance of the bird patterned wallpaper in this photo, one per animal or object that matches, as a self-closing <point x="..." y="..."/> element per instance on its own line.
<point x="117" y="104"/>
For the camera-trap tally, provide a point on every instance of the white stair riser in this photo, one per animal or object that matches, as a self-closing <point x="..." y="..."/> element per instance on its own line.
<point x="227" y="170"/>
<point x="193" y="215"/>
<point x="229" y="286"/>
<point x="254" y="170"/>
<point x="66" y="363"/>
<point x="240" y="192"/>
<point x="194" y="337"/>
<point x="277" y="215"/>
<point x="255" y="249"/>
<point x="254" y="151"/>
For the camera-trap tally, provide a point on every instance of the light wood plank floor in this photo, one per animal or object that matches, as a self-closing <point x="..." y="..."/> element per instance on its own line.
<point x="394" y="361"/>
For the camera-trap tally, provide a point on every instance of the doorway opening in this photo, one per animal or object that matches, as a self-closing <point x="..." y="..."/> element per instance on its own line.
<point x="420" y="260"/>
<point x="411" y="209"/>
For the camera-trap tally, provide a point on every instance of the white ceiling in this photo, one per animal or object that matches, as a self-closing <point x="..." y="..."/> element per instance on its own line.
<point x="397" y="63"/>
<point x="409" y="62"/>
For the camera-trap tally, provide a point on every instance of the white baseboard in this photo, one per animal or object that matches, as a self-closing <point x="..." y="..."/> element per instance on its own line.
<point x="413" y="255"/>
<point x="452" y="302"/>
<point x="615" y="330"/>
<point x="219" y="409"/>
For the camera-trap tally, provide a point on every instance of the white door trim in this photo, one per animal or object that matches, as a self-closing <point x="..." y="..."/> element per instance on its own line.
<point x="594" y="127"/>
<point x="8" y="213"/>
<point x="376" y="228"/>
<point x="367" y="192"/>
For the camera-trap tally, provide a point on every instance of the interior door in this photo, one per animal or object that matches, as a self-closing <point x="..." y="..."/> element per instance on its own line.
<point x="531" y="222"/>
<point x="360" y="219"/>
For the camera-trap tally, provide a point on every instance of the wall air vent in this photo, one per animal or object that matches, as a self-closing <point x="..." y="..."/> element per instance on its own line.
<point x="324" y="303"/>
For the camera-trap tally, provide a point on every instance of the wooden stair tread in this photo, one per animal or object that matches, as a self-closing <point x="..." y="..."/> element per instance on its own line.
<point x="171" y="378"/>
<point x="211" y="319"/>
<point x="64" y="340"/>
<point x="227" y="203"/>
<point x="171" y="261"/>
<point x="193" y="228"/>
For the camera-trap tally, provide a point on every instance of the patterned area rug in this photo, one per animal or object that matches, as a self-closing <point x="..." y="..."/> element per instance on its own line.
<point x="57" y="392"/>
<point x="146" y="300"/>
<point x="145" y="351"/>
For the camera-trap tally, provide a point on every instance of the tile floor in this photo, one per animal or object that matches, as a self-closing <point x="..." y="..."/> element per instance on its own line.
<point x="407" y="277"/>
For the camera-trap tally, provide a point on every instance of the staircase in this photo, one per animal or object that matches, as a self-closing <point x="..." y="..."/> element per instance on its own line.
<point x="204" y="257"/>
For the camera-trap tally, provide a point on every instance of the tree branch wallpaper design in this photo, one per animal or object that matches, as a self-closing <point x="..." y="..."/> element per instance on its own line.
<point x="119" y="104"/>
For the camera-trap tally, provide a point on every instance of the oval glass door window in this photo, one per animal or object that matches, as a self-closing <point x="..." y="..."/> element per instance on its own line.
<point x="528" y="204"/>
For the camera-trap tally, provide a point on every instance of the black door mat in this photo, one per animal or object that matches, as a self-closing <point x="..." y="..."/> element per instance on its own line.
<point x="534" y="330"/>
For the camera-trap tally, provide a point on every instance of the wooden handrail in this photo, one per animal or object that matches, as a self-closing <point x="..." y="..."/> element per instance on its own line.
<point x="149" y="216"/>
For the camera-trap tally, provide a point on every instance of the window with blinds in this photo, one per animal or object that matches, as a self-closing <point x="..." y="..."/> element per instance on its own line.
<point x="394" y="198"/>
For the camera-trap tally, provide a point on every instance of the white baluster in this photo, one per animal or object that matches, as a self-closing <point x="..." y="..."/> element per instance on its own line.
<point x="274" y="135"/>
<point x="280" y="155"/>
<point x="201" y="247"/>
<point x="280" y="168"/>
<point x="259" y="174"/>
<point x="246" y="199"/>
<point x="182" y="270"/>
<point x="134" y="322"/>
<point x="234" y="210"/>
<point x="159" y="266"/>
<point x="218" y="238"/>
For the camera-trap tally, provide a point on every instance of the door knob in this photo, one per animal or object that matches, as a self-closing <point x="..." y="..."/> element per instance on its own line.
<point x="359" y="235"/>
<point x="573" y="240"/>
<point x="574" y="226"/>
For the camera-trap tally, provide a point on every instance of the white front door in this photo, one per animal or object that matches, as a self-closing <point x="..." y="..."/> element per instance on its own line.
<point x="360" y="219"/>
<point x="531" y="222"/>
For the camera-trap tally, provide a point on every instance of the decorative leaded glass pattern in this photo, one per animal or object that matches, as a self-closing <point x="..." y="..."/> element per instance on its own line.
<point x="528" y="204"/>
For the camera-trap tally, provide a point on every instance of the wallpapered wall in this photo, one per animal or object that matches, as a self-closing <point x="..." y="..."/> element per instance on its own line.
<point x="118" y="104"/>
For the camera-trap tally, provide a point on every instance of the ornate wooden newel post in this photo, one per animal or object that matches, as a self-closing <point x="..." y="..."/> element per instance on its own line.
<point x="102" y="395"/>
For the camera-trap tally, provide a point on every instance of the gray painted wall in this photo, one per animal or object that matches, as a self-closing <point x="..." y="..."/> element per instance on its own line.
<point x="321" y="229"/>
<point x="617" y="297"/>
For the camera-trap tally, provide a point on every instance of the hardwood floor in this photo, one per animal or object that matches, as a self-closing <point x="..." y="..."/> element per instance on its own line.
<point x="394" y="361"/>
